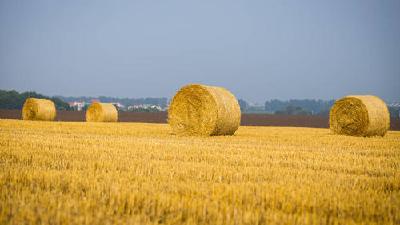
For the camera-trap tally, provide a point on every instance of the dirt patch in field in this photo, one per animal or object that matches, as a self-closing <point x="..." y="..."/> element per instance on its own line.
<point x="161" y="117"/>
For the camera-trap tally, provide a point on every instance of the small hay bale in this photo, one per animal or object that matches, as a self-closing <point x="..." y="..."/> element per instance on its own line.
<point x="360" y="115"/>
<point x="204" y="110"/>
<point x="101" y="112"/>
<point x="38" y="109"/>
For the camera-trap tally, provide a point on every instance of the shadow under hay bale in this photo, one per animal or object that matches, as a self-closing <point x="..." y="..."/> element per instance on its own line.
<point x="204" y="110"/>
<point x="38" y="109"/>
<point x="101" y="112"/>
<point x="360" y="115"/>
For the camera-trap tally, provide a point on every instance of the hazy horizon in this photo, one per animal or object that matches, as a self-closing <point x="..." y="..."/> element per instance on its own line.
<point x="259" y="50"/>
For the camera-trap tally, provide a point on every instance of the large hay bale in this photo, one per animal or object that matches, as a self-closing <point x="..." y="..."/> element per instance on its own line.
<point x="38" y="109"/>
<point x="101" y="112"/>
<point x="204" y="110"/>
<point x="360" y="115"/>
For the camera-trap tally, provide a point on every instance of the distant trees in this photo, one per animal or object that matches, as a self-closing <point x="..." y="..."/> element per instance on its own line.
<point x="290" y="107"/>
<point x="14" y="100"/>
<point x="246" y="107"/>
<point x="394" y="112"/>
<point x="243" y="105"/>
<point x="293" y="110"/>
<point x="299" y="107"/>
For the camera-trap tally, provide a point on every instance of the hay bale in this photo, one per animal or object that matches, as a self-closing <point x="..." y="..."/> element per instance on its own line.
<point x="204" y="110"/>
<point x="101" y="112"/>
<point x="360" y="115"/>
<point x="38" y="109"/>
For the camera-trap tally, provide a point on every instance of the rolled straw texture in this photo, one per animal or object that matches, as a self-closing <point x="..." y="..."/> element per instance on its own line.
<point x="101" y="112"/>
<point x="360" y="115"/>
<point x="38" y="109"/>
<point x="204" y="110"/>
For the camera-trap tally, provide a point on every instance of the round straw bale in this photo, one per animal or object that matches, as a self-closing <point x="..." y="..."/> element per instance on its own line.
<point x="38" y="109"/>
<point x="360" y="115"/>
<point x="204" y="110"/>
<point x="101" y="112"/>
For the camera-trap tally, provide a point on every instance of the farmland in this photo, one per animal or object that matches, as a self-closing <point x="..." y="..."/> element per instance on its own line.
<point x="161" y="117"/>
<point x="137" y="173"/>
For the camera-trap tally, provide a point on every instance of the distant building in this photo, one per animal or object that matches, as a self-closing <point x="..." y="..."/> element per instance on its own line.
<point x="118" y="105"/>
<point x="79" y="106"/>
<point x="145" y="106"/>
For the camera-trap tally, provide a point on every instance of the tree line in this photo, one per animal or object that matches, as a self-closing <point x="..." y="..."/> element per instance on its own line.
<point x="15" y="100"/>
<point x="299" y="107"/>
<point x="290" y="107"/>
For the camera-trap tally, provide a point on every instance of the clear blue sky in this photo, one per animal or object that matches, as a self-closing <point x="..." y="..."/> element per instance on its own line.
<point x="257" y="49"/>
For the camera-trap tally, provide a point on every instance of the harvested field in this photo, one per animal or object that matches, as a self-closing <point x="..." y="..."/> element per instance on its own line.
<point x="136" y="173"/>
<point x="161" y="117"/>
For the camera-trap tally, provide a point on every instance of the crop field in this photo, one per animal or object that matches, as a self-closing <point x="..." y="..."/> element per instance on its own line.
<point x="137" y="173"/>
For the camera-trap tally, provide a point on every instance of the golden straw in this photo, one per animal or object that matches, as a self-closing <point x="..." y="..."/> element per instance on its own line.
<point x="101" y="112"/>
<point x="204" y="110"/>
<point x="360" y="115"/>
<point x="38" y="109"/>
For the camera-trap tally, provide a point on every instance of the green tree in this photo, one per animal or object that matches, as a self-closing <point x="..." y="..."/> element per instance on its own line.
<point x="14" y="100"/>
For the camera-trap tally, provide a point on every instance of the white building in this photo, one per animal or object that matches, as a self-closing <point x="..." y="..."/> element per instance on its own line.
<point x="144" y="106"/>
<point x="77" y="105"/>
<point x="118" y="105"/>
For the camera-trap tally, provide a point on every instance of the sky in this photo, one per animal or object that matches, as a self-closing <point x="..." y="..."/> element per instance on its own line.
<point x="258" y="49"/>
